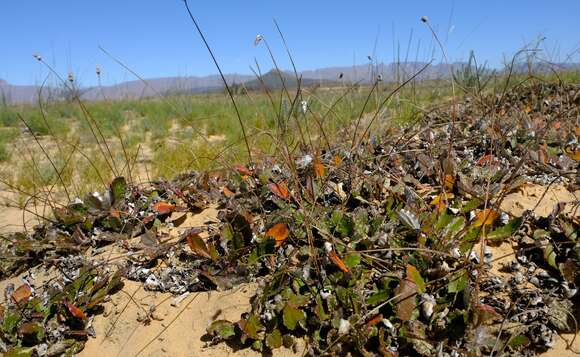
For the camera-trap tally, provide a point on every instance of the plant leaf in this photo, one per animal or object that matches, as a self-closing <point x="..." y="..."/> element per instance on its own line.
<point x="279" y="232"/>
<point x="337" y="261"/>
<point x="227" y="192"/>
<point x="19" y="352"/>
<point x="448" y="183"/>
<point x="280" y="189"/>
<point x="118" y="189"/>
<point x="506" y="231"/>
<point x="274" y="339"/>
<point x="163" y="208"/>
<point x="75" y="311"/>
<point x="22" y="293"/>
<point x="222" y="328"/>
<point x="197" y="245"/>
<point x="550" y="255"/>
<point x="319" y="169"/>
<point x="352" y="260"/>
<point x="457" y="283"/>
<point x="241" y="169"/>
<point x="406" y="299"/>
<point x="252" y="326"/>
<point x="291" y="316"/>
<point x="414" y="275"/>
<point x="519" y="341"/>
<point x="485" y="217"/>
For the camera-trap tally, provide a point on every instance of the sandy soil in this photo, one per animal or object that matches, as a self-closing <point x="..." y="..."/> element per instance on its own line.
<point x="173" y="330"/>
<point x="12" y="218"/>
<point x="529" y="195"/>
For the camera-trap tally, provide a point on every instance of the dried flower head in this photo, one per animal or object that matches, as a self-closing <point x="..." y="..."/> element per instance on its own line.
<point x="424" y="19"/>
<point x="98" y="70"/>
<point x="258" y="39"/>
<point x="37" y="57"/>
<point x="70" y="77"/>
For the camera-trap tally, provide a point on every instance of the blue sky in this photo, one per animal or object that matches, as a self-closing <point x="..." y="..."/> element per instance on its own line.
<point x="156" y="38"/>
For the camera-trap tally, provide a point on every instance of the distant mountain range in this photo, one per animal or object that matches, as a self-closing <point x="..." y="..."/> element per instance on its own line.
<point x="329" y="76"/>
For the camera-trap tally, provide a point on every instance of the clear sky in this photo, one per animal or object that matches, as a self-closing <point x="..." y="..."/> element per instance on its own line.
<point x="156" y="38"/>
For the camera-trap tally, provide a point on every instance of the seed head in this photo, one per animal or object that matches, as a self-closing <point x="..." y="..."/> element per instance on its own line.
<point x="70" y="77"/>
<point x="424" y="19"/>
<point x="98" y="70"/>
<point x="258" y="39"/>
<point x="37" y="57"/>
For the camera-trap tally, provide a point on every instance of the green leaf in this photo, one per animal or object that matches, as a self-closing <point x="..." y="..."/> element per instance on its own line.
<point x="569" y="231"/>
<point x="550" y="255"/>
<point x="10" y="322"/>
<point x="443" y="221"/>
<point x="257" y="345"/>
<point x="342" y="224"/>
<point x="414" y="275"/>
<point x="455" y="225"/>
<point x="32" y="332"/>
<point x="378" y="297"/>
<point x="506" y="231"/>
<point x="457" y="283"/>
<point x="19" y="352"/>
<point x="222" y="328"/>
<point x="519" y="341"/>
<point x="291" y="316"/>
<point x="252" y="326"/>
<point x="351" y="260"/>
<point x="274" y="339"/>
<point x="471" y="205"/>
<point x="319" y="310"/>
<point x="297" y="300"/>
<point x="118" y="189"/>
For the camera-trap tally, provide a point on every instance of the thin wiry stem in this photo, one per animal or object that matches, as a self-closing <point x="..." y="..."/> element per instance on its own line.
<point x="228" y="89"/>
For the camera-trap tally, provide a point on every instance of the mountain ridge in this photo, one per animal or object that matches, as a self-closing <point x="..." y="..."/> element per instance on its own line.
<point x="135" y="89"/>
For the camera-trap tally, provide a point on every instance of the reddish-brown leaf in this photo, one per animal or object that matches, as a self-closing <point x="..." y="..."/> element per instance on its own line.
<point x="280" y="189"/>
<point x="150" y="218"/>
<point x="279" y="232"/>
<point x="375" y="320"/>
<point x="319" y="169"/>
<point x="241" y="169"/>
<point x="23" y="293"/>
<point x="227" y="192"/>
<point x="543" y="154"/>
<point x="162" y="207"/>
<point x="573" y="153"/>
<point x="448" y="183"/>
<point x="484" y="160"/>
<point x="406" y="300"/>
<point x="197" y="245"/>
<point x="337" y="261"/>
<point x="485" y="313"/>
<point x="337" y="160"/>
<point x="485" y="217"/>
<point x="75" y="311"/>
